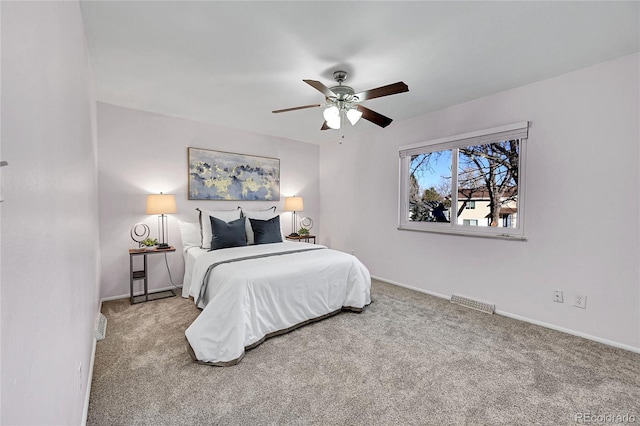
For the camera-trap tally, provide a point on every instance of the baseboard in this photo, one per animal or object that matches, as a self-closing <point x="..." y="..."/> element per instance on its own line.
<point x="87" y="395"/>
<point x="85" y="410"/>
<point x="419" y="290"/>
<point x="127" y="295"/>
<point x="523" y="319"/>
<point x="569" y="331"/>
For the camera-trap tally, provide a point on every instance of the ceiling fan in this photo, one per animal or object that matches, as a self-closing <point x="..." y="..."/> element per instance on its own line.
<point x="342" y="101"/>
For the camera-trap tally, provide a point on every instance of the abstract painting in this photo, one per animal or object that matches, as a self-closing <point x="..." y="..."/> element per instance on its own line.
<point x="217" y="175"/>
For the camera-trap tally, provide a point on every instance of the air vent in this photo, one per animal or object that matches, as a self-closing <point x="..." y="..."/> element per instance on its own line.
<point x="473" y="304"/>
<point x="101" y="326"/>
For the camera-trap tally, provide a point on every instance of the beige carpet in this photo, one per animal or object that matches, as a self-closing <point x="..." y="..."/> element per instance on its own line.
<point x="408" y="359"/>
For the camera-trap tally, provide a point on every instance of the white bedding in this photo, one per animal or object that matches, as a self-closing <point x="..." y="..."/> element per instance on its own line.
<point x="249" y="300"/>
<point x="189" y="254"/>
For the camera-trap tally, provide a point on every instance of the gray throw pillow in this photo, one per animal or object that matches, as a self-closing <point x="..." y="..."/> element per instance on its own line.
<point x="266" y="231"/>
<point x="227" y="234"/>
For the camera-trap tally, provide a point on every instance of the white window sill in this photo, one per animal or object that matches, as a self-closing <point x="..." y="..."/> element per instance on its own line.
<point x="447" y="229"/>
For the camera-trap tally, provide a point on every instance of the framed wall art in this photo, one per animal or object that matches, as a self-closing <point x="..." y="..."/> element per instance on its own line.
<point x="218" y="175"/>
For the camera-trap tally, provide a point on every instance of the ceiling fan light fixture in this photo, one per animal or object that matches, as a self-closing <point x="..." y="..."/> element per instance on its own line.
<point x="332" y="116"/>
<point x="354" y="115"/>
<point x="334" y="123"/>
<point x="342" y="102"/>
<point x="331" y="113"/>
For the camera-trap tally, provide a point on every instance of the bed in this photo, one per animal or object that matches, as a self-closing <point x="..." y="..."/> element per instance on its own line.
<point x="250" y="293"/>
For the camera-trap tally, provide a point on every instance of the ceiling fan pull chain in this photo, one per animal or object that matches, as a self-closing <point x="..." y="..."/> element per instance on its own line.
<point x="342" y="117"/>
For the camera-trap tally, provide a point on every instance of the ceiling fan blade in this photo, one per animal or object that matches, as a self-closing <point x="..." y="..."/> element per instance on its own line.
<point x="295" y="108"/>
<point x="321" y="88"/>
<point x="325" y="126"/>
<point x="374" y="117"/>
<point x="390" y="89"/>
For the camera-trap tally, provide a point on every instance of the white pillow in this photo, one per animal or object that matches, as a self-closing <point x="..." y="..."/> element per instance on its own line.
<point x="256" y="214"/>
<point x="190" y="234"/>
<point x="205" y="223"/>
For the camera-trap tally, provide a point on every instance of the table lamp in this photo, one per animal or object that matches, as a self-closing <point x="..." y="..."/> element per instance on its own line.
<point x="293" y="204"/>
<point x="162" y="204"/>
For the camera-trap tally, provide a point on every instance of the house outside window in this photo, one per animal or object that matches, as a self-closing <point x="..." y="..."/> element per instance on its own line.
<point x="484" y="197"/>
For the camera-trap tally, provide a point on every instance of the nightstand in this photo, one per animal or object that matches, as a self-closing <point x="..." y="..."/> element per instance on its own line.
<point x="143" y="275"/>
<point x="305" y="238"/>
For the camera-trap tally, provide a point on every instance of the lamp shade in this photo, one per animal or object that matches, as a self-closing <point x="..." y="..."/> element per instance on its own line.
<point x="354" y="115"/>
<point x="293" y="204"/>
<point x="332" y="117"/>
<point x="334" y="124"/>
<point x="161" y="204"/>
<point x="331" y="113"/>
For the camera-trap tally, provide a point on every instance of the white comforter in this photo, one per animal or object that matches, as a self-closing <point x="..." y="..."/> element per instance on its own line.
<point x="248" y="300"/>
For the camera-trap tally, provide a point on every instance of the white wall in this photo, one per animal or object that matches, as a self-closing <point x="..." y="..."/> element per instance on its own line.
<point x="49" y="214"/>
<point x="141" y="153"/>
<point x="582" y="151"/>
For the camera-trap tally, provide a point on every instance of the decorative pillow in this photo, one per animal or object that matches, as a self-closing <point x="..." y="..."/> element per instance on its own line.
<point x="266" y="231"/>
<point x="256" y="214"/>
<point x="205" y="223"/>
<point x="228" y="234"/>
<point x="190" y="234"/>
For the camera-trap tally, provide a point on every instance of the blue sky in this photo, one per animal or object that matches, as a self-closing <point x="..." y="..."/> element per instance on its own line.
<point x="439" y="166"/>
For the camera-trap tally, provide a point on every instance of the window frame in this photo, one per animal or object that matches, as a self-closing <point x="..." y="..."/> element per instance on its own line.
<point x="514" y="131"/>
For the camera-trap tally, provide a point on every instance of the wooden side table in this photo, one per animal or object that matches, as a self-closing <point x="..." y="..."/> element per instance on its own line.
<point x="305" y="238"/>
<point x="144" y="275"/>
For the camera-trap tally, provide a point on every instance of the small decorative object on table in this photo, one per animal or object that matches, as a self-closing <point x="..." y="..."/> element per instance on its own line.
<point x="149" y="244"/>
<point x="305" y="226"/>
<point x="303" y="231"/>
<point x="139" y="233"/>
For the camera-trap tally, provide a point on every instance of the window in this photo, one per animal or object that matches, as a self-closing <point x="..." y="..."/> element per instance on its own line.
<point x="484" y="196"/>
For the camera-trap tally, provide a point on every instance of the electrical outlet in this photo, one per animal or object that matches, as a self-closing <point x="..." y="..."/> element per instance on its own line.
<point x="557" y="296"/>
<point x="580" y="301"/>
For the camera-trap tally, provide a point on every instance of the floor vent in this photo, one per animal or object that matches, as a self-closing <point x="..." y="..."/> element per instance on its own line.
<point x="473" y="304"/>
<point x="101" y="326"/>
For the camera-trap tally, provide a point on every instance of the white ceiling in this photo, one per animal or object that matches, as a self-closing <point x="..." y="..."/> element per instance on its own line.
<point x="231" y="63"/>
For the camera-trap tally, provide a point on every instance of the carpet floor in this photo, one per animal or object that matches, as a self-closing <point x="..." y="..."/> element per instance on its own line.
<point x="409" y="358"/>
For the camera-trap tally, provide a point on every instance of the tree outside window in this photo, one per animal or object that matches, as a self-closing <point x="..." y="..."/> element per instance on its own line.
<point x="483" y="193"/>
